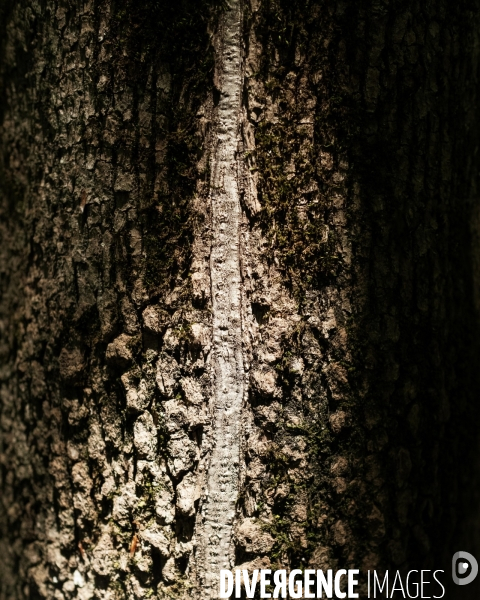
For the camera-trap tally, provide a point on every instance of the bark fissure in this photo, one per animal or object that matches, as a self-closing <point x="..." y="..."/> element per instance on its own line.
<point x="228" y="364"/>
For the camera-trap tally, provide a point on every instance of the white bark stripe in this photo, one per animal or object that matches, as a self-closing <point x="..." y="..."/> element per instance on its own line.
<point x="228" y="389"/>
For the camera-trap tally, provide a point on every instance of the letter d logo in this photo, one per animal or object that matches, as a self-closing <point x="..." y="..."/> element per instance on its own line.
<point x="462" y="562"/>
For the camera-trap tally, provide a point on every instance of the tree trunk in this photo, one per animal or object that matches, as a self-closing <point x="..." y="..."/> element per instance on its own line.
<point x="239" y="291"/>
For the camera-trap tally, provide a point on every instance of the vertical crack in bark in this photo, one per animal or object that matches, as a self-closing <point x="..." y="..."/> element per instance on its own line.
<point x="228" y="364"/>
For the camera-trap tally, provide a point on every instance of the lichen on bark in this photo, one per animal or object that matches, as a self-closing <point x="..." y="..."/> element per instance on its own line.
<point x="215" y="550"/>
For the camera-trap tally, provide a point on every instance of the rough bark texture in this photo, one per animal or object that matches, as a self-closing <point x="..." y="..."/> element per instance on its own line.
<point x="239" y="274"/>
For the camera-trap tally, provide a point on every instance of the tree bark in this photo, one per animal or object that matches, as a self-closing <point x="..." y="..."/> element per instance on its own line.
<point x="239" y="292"/>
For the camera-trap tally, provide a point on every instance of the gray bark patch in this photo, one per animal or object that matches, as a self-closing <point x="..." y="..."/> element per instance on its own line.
<point x="218" y="509"/>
